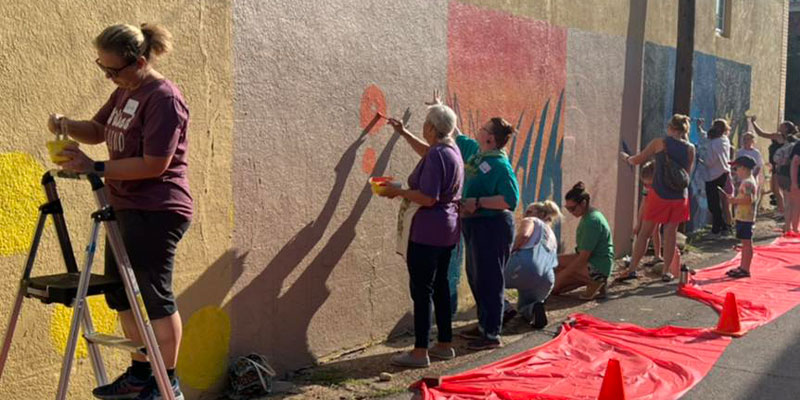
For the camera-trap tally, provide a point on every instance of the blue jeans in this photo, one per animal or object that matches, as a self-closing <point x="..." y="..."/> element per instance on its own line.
<point x="530" y="271"/>
<point x="454" y="273"/>
<point x="488" y="242"/>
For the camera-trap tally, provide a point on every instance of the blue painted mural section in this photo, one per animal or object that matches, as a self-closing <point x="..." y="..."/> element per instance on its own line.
<point x="720" y="89"/>
<point x="538" y="163"/>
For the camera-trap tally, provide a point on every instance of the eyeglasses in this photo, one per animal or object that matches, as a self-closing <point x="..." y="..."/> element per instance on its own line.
<point x="113" y="72"/>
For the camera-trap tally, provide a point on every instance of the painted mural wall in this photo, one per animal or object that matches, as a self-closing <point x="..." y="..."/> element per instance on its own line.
<point x="290" y="255"/>
<point x="720" y="89"/>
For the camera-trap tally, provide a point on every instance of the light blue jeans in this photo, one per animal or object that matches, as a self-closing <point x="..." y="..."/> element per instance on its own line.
<point x="530" y="271"/>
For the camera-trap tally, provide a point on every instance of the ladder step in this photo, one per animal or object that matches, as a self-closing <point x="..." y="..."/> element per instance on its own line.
<point x="62" y="288"/>
<point x="114" y="341"/>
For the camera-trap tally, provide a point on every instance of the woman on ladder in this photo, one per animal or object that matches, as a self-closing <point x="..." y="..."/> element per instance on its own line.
<point x="144" y="126"/>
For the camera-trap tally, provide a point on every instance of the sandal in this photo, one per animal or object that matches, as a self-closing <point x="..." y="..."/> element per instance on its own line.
<point x="738" y="273"/>
<point x="667" y="278"/>
<point x="653" y="261"/>
<point x="627" y="275"/>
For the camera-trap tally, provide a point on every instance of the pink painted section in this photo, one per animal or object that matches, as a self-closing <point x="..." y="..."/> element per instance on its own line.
<point x="502" y="65"/>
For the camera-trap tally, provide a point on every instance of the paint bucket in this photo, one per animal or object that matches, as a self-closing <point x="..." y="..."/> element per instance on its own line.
<point x="56" y="146"/>
<point x="380" y="182"/>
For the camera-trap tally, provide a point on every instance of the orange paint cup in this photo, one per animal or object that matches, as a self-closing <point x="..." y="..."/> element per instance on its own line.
<point x="54" y="147"/>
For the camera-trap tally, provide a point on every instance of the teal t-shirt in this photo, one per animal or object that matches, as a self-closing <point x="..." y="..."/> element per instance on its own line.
<point x="487" y="174"/>
<point x="594" y="235"/>
<point x="468" y="147"/>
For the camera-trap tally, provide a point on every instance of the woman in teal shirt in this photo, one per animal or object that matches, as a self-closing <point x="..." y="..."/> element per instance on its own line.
<point x="490" y="196"/>
<point x="593" y="261"/>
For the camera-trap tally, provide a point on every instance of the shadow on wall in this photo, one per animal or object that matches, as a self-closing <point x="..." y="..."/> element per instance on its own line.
<point x="284" y="336"/>
<point x="213" y="285"/>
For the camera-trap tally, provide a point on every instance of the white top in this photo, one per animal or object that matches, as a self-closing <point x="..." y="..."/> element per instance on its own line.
<point x="756" y="156"/>
<point x="719" y="157"/>
<point x="541" y="231"/>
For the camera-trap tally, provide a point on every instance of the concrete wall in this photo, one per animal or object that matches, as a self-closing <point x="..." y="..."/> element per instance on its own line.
<point x="290" y="255"/>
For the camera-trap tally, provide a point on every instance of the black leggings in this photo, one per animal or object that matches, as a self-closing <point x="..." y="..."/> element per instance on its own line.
<point x="715" y="203"/>
<point x="427" y="270"/>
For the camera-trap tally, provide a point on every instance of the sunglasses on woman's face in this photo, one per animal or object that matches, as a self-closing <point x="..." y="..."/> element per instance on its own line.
<point x="113" y="72"/>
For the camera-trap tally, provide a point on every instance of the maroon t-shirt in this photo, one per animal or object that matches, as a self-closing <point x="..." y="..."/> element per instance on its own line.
<point x="151" y="120"/>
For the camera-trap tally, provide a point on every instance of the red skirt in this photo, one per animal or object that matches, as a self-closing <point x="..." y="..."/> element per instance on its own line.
<point x="663" y="211"/>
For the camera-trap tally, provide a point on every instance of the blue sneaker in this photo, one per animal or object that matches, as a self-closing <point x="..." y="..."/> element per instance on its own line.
<point x="151" y="392"/>
<point x="126" y="386"/>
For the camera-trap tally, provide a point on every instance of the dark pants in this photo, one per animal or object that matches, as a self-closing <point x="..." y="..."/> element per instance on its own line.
<point x="488" y="247"/>
<point x="427" y="269"/>
<point x="151" y="241"/>
<point x="715" y="203"/>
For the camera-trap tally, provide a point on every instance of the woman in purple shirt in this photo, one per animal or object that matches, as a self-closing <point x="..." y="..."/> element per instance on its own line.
<point x="144" y="126"/>
<point x="435" y="185"/>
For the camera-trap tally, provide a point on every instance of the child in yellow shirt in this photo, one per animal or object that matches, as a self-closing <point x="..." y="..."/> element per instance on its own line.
<point x="745" y="213"/>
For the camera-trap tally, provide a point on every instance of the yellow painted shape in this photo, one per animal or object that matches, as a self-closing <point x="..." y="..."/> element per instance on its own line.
<point x="203" y="357"/>
<point x="21" y="195"/>
<point x="103" y="318"/>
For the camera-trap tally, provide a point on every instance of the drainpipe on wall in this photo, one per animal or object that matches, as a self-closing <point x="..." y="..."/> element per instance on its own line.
<point x="682" y="101"/>
<point x="630" y="126"/>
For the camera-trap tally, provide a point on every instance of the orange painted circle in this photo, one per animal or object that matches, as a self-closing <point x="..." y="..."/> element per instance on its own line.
<point x="368" y="160"/>
<point x="373" y="101"/>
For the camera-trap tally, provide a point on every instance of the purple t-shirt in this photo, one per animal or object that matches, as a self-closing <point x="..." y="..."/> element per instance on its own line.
<point x="151" y="120"/>
<point x="440" y="175"/>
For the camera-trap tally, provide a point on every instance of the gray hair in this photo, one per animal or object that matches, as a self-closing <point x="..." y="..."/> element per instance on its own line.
<point x="442" y="118"/>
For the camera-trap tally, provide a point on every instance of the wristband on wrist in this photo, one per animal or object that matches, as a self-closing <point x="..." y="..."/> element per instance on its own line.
<point x="99" y="168"/>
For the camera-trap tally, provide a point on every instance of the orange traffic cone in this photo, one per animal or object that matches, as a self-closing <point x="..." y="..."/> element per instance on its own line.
<point x="729" y="318"/>
<point x="612" y="388"/>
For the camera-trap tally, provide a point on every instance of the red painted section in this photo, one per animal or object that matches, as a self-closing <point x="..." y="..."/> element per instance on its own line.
<point x="373" y="101"/>
<point x="368" y="160"/>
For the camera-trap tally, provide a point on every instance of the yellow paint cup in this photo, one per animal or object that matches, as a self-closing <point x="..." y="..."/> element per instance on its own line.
<point x="379" y="183"/>
<point x="57" y="146"/>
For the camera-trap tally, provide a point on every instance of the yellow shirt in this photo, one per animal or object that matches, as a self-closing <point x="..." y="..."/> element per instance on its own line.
<point x="745" y="210"/>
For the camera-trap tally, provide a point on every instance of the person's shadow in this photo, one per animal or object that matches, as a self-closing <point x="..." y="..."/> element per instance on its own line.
<point x="275" y="322"/>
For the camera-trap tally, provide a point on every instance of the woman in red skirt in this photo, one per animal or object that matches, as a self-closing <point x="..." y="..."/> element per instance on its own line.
<point x="666" y="204"/>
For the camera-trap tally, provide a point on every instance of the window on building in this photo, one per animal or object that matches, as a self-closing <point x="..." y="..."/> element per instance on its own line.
<point x="723" y="14"/>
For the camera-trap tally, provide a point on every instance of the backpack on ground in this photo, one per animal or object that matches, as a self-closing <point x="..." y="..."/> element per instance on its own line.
<point x="250" y="378"/>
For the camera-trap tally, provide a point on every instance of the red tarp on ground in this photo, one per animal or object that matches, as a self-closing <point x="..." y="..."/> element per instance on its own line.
<point x="772" y="289"/>
<point x="661" y="363"/>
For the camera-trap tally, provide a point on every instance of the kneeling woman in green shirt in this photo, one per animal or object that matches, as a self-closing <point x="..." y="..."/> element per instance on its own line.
<point x="593" y="261"/>
<point x="490" y="196"/>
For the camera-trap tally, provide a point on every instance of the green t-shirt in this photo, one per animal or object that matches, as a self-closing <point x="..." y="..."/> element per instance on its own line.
<point x="594" y="235"/>
<point x="487" y="174"/>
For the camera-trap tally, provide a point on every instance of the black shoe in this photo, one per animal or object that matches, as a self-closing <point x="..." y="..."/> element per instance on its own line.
<point x="126" y="386"/>
<point x="539" y="316"/>
<point x="471" y="334"/>
<point x="151" y="391"/>
<point x="485" y="343"/>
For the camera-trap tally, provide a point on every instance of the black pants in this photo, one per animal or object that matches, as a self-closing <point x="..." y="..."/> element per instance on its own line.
<point x="715" y="203"/>
<point x="427" y="270"/>
<point x="151" y="240"/>
<point x="488" y="248"/>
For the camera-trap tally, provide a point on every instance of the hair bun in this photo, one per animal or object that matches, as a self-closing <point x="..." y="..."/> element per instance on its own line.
<point x="579" y="186"/>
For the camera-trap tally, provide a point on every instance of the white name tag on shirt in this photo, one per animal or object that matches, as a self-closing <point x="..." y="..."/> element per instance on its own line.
<point x="485" y="167"/>
<point x="130" y="107"/>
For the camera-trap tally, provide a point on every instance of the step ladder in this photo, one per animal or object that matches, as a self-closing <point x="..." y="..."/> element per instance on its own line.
<point x="72" y="288"/>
